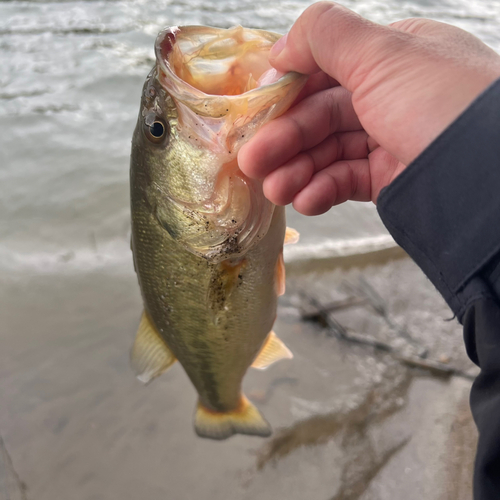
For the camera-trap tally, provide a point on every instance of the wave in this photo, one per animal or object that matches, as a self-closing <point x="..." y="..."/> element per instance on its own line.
<point x="331" y="249"/>
<point x="113" y="256"/>
<point x="116" y="256"/>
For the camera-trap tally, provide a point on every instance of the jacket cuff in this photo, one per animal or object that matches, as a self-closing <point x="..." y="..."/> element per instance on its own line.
<point x="444" y="208"/>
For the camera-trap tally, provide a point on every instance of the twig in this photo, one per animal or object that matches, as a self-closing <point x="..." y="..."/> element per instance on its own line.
<point x="313" y="313"/>
<point x="366" y="290"/>
<point x="359" y="338"/>
<point x="334" y="328"/>
<point x="436" y="368"/>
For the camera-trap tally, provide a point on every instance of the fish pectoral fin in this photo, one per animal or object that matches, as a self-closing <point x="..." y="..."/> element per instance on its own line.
<point x="246" y="419"/>
<point x="150" y="355"/>
<point x="280" y="275"/>
<point x="224" y="280"/>
<point x="291" y="236"/>
<point x="273" y="350"/>
<point x="232" y="273"/>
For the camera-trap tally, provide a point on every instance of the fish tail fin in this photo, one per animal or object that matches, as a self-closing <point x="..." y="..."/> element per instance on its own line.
<point x="246" y="419"/>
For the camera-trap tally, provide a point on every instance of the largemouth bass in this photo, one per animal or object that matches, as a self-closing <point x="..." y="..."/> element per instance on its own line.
<point x="207" y="244"/>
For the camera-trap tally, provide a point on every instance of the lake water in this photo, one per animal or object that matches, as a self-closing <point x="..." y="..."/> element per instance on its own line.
<point x="70" y="79"/>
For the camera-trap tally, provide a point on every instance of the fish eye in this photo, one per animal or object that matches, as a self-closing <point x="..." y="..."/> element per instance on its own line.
<point x="157" y="131"/>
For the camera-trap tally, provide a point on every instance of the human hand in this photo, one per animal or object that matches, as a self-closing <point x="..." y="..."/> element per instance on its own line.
<point x="377" y="97"/>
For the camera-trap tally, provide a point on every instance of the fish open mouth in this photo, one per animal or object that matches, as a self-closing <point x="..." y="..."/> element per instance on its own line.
<point x="219" y="76"/>
<point x="218" y="62"/>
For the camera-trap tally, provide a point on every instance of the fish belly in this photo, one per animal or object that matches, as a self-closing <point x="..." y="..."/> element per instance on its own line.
<point x="214" y="318"/>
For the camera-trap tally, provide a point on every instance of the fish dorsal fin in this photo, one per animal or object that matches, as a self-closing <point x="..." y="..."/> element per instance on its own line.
<point x="150" y="356"/>
<point x="245" y="419"/>
<point x="273" y="350"/>
<point x="291" y="236"/>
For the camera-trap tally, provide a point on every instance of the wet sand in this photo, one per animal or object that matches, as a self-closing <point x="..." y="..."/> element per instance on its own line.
<point x="351" y="421"/>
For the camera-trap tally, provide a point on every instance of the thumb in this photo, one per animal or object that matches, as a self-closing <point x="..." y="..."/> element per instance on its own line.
<point x="336" y="40"/>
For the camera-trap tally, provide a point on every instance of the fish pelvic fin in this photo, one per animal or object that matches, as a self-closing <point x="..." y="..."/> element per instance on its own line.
<point x="273" y="350"/>
<point x="150" y="356"/>
<point x="291" y="236"/>
<point x="245" y="419"/>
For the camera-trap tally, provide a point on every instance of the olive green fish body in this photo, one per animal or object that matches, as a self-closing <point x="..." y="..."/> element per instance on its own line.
<point x="215" y="323"/>
<point x="207" y="244"/>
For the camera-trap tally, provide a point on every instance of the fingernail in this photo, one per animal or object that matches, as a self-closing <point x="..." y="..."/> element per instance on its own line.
<point x="278" y="46"/>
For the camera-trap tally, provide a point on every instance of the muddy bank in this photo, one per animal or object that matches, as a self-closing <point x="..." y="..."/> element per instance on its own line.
<point x="351" y="421"/>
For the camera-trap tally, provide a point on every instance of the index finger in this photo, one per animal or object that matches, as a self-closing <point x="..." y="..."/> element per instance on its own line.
<point x="300" y="128"/>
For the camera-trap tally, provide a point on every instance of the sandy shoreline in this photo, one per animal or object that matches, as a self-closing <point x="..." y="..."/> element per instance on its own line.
<point x="350" y="421"/>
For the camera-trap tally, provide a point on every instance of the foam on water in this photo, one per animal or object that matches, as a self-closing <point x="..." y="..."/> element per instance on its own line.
<point x="115" y="256"/>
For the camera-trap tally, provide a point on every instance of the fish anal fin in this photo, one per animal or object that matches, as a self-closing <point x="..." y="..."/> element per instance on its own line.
<point x="273" y="350"/>
<point x="150" y="355"/>
<point x="280" y="275"/>
<point x="245" y="419"/>
<point x="291" y="236"/>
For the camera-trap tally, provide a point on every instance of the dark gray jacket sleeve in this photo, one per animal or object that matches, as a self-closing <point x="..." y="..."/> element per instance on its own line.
<point x="444" y="210"/>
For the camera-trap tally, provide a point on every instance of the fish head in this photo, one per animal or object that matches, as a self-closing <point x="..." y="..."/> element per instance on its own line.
<point x="210" y="91"/>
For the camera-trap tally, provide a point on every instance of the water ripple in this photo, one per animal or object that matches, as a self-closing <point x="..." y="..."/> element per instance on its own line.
<point x="71" y="74"/>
